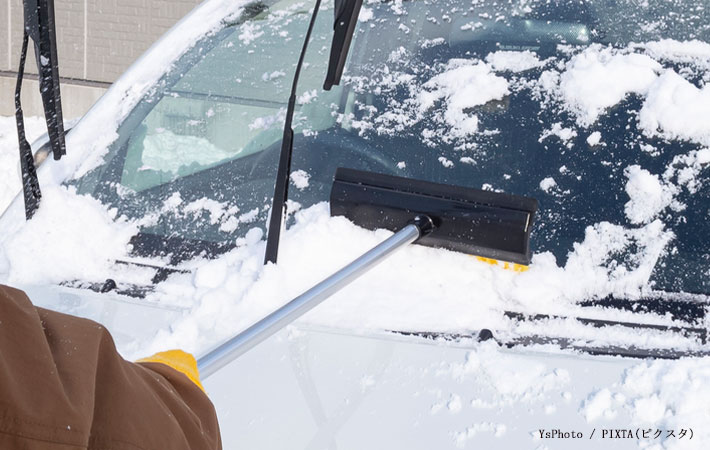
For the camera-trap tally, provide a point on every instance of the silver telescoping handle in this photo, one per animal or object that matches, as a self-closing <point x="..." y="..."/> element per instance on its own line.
<point x="228" y="351"/>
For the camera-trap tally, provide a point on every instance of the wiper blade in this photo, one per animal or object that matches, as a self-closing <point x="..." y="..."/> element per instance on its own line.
<point x="688" y="332"/>
<point x="278" y="208"/>
<point x="39" y="24"/>
<point x="346" y="13"/>
<point x="611" y="350"/>
<point x="563" y="343"/>
<point x="685" y="310"/>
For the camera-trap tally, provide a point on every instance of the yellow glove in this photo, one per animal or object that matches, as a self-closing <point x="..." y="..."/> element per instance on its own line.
<point x="181" y="361"/>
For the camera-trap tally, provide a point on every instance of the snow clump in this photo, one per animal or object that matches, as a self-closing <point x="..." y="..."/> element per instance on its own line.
<point x="510" y="61"/>
<point x="599" y="78"/>
<point x="648" y="195"/>
<point x="463" y="85"/>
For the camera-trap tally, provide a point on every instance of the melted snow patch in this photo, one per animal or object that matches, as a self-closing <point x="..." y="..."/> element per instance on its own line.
<point x="269" y="76"/>
<point x="266" y="122"/>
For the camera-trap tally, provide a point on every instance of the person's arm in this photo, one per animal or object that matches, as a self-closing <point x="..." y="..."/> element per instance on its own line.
<point x="65" y="386"/>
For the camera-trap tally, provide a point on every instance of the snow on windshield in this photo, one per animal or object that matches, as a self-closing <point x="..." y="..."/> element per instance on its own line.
<point x="74" y="237"/>
<point x="587" y="84"/>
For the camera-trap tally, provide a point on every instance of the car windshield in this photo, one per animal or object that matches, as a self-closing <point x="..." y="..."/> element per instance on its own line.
<point x="599" y="109"/>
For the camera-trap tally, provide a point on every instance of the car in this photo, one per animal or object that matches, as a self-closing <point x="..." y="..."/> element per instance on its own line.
<point x="155" y="222"/>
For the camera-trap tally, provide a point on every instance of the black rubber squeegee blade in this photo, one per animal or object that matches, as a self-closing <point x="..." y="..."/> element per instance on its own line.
<point x="483" y="223"/>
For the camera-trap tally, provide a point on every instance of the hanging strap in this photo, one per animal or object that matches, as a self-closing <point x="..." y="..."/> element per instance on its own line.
<point x="30" y="183"/>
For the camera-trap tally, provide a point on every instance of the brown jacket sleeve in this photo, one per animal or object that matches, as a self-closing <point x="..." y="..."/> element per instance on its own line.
<point x="64" y="386"/>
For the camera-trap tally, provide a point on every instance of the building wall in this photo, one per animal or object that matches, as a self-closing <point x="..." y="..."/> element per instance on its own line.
<point x="96" y="42"/>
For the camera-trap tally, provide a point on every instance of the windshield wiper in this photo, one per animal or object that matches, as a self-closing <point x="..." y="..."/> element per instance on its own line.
<point x="278" y="208"/>
<point x="346" y="12"/>
<point x="686" y="331"/>
<point x="39" y="24"/>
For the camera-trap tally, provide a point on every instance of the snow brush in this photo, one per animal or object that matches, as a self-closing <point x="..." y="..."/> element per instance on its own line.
<point x="482" y="223"/>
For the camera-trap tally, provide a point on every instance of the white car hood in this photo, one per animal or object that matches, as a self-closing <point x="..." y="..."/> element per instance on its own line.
<point x="313" y="388"/>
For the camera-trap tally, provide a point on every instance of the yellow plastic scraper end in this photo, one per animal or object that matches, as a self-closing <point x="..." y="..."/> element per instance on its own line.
<point x="506" y="265"/>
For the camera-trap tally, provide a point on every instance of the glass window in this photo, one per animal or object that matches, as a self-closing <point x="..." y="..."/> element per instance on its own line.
<point x="589" y="106"/>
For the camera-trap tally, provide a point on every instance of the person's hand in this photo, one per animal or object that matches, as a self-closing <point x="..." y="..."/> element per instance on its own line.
<point x="179" y="360"/>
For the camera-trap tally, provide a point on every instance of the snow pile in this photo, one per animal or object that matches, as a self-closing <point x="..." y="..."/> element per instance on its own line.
<point x="676" y="109"/>
<point x="10" y="181"/>
<point x="311" y="250"/>
<point x="693" y="51"/>
<point x="600" y="77"/>
<point x="648" y="195"/>
<point x="71" y="237"/>
<point x="462" y="85"/>
<point x="439" y="290"/>
<point x="513" y="61"/>
<point x="593" y="269"/>
<point x="666" y="395"/>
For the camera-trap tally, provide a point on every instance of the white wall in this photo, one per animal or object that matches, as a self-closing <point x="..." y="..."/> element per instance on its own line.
<point x="96" y="41"/>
